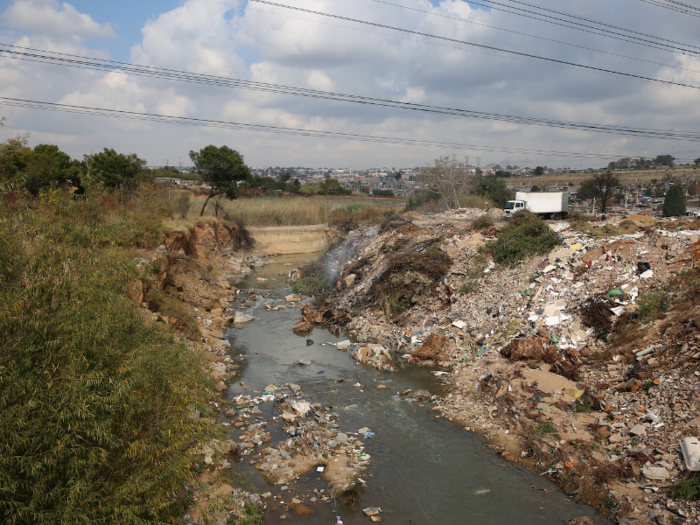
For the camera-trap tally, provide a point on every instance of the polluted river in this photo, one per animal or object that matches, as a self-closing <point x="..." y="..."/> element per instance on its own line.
<point x="423" y="470"/>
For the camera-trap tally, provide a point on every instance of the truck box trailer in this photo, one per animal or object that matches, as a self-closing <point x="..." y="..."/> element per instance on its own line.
<point x="544" y="203"/>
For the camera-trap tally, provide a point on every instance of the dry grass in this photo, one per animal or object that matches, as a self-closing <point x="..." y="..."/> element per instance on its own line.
<point x="627" y="177"/>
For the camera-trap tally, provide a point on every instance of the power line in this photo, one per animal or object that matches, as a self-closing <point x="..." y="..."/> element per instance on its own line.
<point x="474" y="44"/>
<point x="222" y="124"/>
<point x="82" y="62"/>
<point x="631" y="32"/>
<point x="480" y="24"/>
<point x="540" y="17"/>
<point x="676" y="6"/>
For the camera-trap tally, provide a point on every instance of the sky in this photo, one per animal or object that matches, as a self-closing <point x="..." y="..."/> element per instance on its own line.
<point x="248" y="40"/>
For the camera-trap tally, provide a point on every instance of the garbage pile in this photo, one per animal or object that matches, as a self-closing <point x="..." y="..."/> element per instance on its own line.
<point x="558" y="360"/>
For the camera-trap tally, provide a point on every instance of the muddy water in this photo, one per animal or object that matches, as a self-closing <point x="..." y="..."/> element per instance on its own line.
<point x="424" y="470"/>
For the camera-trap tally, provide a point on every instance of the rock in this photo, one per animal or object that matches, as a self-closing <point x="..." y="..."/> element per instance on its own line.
<point x="302" y="326"/>
<point x="616" y="438"/>
<point x="266" y="495"/>
<point x="303" y="362"/>
<point x="302" y="510"/>
<point x="293" y="298"/>
<point x="382" y="387"/>
<point x="638" y="430"/>
<point x="459" y="324"/>
<point x="230" y="413"/>
<point x="221" y="387"/>
<point x="241" y="317"/>
<point x="434" y="348"/>
<point x="372" y="511"/>
<point x="349" y="280"/>
<point x="363" y="430"/>
<point x="584" y="520"/>
<point x="525" y="349"/>
<point x="309" y="342"/>
<point x="295" y="388"/>
<point x="655" y="473"/>
<point x="218" y="334"/>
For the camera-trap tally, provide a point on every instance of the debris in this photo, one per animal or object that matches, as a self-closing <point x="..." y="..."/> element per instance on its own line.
<point x="691" y="453"/>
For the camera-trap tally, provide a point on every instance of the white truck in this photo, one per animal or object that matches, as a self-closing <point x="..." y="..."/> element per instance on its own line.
<point x="550" y="204"/>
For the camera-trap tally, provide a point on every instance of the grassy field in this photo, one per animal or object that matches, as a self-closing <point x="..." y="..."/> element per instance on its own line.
<point x="627" y="177"/>
<point x="288" y="211"/>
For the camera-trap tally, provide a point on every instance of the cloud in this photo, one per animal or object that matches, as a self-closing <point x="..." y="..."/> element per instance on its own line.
<point x="49" y="18"/>
<point x="269" y="44"/>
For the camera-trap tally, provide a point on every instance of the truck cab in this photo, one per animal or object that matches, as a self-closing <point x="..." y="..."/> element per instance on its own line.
<point x="512" y="207"/>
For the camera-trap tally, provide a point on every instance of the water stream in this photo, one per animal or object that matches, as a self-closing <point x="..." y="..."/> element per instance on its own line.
<point x="424" y="470"/>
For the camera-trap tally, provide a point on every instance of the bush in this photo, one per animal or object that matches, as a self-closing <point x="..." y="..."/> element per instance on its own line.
<point x="525" y="235"/>
<point x="483" y="222"/>
<point x="94" y="404"/>
<point x="675" y="201"/>
<point x="688" y="489"/>
<point x="651" y="305"/>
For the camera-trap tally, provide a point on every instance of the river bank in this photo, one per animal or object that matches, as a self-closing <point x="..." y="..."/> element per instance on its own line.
<point x="537" y="358"/>
<point x="263" y="376"/>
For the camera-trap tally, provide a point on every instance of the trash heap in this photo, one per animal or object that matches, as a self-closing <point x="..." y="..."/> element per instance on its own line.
<point x="550" y="359"/>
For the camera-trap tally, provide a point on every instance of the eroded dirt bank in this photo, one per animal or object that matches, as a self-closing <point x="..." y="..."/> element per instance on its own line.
<point x="581" y="363"/>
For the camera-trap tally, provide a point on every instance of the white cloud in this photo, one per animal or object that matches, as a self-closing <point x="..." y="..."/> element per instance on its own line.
<point x="48" y="17"/>
<point x="295" y="49"/>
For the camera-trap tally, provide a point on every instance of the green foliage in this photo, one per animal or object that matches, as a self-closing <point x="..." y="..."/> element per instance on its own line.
<point x="383" y="193"/>
<point x="584" y="405"/>
<point x="94" y="404"/>
<point x="609" y="502"/>
<point x="468" y="287"/>
<point x="314" y="279"/>
<point x="675" y="202"/>
<point x="116" y="169"/>
<point x="647" y="385"/>
<point x="543" y="429"/>
<point x="525" y="235"/>
<point x="539" y="170"/>
<point x="252" y="515"/>
<point x="182" y="204"/>
<point x="332" y="187"/>
<point x="651" y="305"/>
<point x="14" y="157"/>
<point x="588" y="190"/>
<point x="688" y="489"/>
<point x="421" y="198"/>
<point x="171" y="307"/>
<point x="535" y="188"/>
<point x="493" y="188"/>
<point x="222" y="168"/>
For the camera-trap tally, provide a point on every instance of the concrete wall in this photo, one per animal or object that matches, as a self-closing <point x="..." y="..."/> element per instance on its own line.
<point x="290" y="239"/>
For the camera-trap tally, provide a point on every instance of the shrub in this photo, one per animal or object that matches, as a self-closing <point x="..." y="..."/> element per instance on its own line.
<point x="482" y="222"/>
<point x="182" y="205"/>
<point x="525" y="235"/>
<point x="688" y="489"/>
<point x="175" y="309"/>
<point x="675" y="201"/>
<point x="544" y="429"/>
<point x="651" y="305"/>
<point x="94" y="404"/>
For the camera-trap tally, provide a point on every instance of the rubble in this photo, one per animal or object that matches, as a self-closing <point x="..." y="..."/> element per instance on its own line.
<point x="582" y="362"/>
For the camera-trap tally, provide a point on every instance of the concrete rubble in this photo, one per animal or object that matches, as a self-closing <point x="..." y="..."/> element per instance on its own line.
<point x="553" y="361"/>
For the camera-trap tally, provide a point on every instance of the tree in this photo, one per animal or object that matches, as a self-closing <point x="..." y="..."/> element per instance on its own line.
<point x="222" y="168"/>
<point x="664" y="160"/>
<point x="493" y="188"/>
<point x="116" y="169"/>
<point x="697" y="161"/>
<point x="535" y="188"/>
<point x="539" y="170"/>
<point x="333" y="187"/>
<point x="15" y="156"/>
<point x="448" y="180"/>
<point x="606" y="183"/>
<point x="47" y="166"/>
<point x="675" y="201"/>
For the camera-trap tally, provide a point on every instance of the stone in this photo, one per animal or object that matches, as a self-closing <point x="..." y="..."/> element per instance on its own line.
<point x="221" y="387"/>
<point x="350" y="280"/>
<point x="241" y="317"/>
<point x="266" y="495"/>
<point x="363" y="430"/>
<point x="302" y="327"/>
<point x="304" y="362"/>
<point x="230" y="413"/>
<point x="616" y="438"/>
<point x="638" y="430"/>
<point x="655" y="473"/>
<point x="293" y="298"/>
<point x="382" y="387"/>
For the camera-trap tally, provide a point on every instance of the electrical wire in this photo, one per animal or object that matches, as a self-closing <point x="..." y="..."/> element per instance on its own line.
<point x="480" y="24"/>
<point x="222" y="124"/>
<point x="474" y="44"/>
<point x="632" y="33"/>
<point x="583" y="27"/>
<point x="77" y="61"/>
<point x="678" y="7"/>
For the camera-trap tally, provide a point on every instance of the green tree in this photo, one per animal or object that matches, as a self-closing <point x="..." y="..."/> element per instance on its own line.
<point x="15" y="156"/>
<point x="664" y="160"/>
<point x="49" y="166"/>
<point x="535" y="188"/>
<point x="539" y="170"/>
<point x="606" y="183"/>
<point x="333" y="187"/>
<point x="675" y="201"/>
<point x="493" y="188"/>
<point x="115" y="169"/>
<point x="222" y="168"/>
<point x="697" y="161"/>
